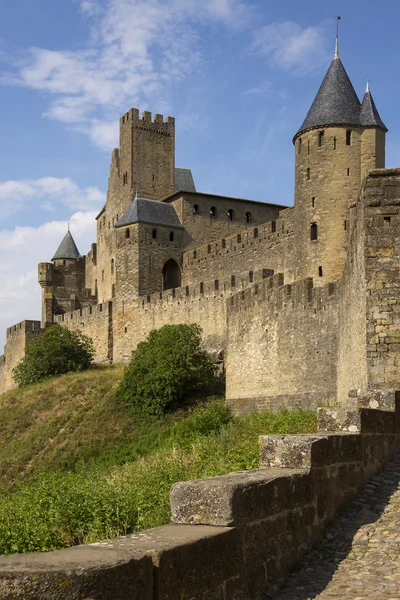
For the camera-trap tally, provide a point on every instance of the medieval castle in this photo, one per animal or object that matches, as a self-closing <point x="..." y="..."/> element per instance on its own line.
<point x="302" y="302"/>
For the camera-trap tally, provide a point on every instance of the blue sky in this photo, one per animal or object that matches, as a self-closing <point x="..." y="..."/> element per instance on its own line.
<point x="238" y="76"/>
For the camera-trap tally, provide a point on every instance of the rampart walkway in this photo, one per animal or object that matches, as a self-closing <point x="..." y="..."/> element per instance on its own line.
<point x="359" y="556"/>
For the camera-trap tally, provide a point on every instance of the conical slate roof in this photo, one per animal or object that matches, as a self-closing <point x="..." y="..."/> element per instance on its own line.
<point x="143" y="210"/>
<point x="67" y="249"/>
<point x="336" y="102"/>
<point x="369" y="116"/>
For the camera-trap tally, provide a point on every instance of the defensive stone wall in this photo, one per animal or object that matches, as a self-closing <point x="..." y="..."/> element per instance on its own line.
<point x="232" y="537"/>
<point x="282" y="346"/>
<point x="252" y="248"/>
<point x="17" y="338"/>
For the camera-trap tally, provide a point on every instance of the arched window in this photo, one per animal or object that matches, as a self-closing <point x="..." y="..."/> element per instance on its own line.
<point x="127" y="233"/>
<point x="321" y="138"/>
<point x="248" y="217"/>
<point x="171" y="236"/>
<point x="314" y="232"/>
<point x="213" y="212"/>
<point x="154" y="234"/>
<point x="231" y="214"/>
<point x="171" y="275"/>
<point x="348" y="137"/>
<point x="196" y="209"/>
<point x="113" y="290"/>
<point x="112" y="266"/>
<point x="308" y="174"/>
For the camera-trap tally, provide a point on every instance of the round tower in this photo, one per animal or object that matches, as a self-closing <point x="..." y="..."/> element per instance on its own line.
<point x="338" y="142"/>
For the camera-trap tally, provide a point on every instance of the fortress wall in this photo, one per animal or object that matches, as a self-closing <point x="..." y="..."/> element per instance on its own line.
<point x="270" y="244"/>
<point x="203" y="303"/>
<point x="96" y="322"/>
<point x="17" y="338"/>
<point x="204" y="228"/>
<point x="282" y="346"/>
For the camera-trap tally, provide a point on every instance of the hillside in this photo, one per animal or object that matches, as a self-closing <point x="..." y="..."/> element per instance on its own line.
<point x="76" y="466"/>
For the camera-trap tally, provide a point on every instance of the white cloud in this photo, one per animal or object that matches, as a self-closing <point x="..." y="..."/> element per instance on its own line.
<point x="16" y="194"/>
<point x="138" y="50"/>
<point x="292" y="47"/>
<point x="25" y="247"/>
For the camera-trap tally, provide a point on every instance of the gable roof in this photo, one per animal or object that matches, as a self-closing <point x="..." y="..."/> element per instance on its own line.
<point x="67" y="249"/>
<point x="143" y="210"/>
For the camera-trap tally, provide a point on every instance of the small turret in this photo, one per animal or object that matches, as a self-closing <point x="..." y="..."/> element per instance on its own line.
<point x="369" y="116"/>
<point x="67" y="250"/>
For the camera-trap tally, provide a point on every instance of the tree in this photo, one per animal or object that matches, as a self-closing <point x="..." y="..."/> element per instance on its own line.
<point x="57" y="351"/>
<point x="166" y="368"/>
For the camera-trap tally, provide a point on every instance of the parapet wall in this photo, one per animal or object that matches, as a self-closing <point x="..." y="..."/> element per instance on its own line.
<point x="270" y="242"/>
<point x="17" y="338"/>
<point x="232" y="537"/>
<point x="282" y="346"/>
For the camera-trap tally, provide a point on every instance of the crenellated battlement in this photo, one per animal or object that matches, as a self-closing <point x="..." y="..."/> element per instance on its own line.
<point x="132" y="116"/>
<point x="23" y="328"/>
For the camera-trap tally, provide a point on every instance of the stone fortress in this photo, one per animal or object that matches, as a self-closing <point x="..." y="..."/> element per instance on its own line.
<point x="302" y="302"/>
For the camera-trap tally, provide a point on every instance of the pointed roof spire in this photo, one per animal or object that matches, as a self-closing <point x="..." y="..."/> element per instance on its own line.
<point x="369" y="116"/>
<point x="67" y="249"/>
<point x="336" y="102"/>
<point x="336" y="55"/>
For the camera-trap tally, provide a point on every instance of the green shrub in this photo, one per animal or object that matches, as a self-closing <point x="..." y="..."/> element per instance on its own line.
<point x="166" y="368"/>
<point x="57" y="351"/>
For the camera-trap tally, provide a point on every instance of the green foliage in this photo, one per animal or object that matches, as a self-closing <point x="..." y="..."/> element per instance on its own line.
<point x="165" y="369"/>
<point x="57" y="351"/>
<point x="61" y="508"/>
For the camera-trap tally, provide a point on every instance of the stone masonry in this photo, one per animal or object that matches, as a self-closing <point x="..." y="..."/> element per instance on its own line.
<point x="304" y="298"/>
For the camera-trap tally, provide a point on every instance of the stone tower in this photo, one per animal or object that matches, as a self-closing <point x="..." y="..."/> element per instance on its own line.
<point x="63" y="281"/>
<point x="339" y="141"/>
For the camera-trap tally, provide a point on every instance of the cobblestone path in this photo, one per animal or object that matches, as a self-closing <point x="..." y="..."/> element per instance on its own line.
<point x="359" y="556"/>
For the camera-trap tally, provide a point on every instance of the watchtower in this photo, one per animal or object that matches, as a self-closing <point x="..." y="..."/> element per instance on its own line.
<point x="339" y="141"/>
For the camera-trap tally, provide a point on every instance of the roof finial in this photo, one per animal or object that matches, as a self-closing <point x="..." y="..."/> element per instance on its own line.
<point x="337" y="38"/>
<point x="367" y="88"/>
<point x="68" y="225"/>
<point x="136" y="195"/>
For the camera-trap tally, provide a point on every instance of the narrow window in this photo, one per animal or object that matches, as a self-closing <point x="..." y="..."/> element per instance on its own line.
<point x="153" y="176"/>
<point x="308" y="147"/>
<point x="248" y="217"/>
<point x="256" y="232"/>
<point x="223" y="243"/>
<point x="308" y="174"/>
<point x="213" y="212"/>
<point x="233" y="281"/>
<point x="201" y="288"/>
<point x="230" y="214"/>
<point x="126" y="330"/>
<point x="348" y="137"/>
<point x="216" y="285"/>
<point x="334" y="143"/>
<point x="125" y="178"/>
<point x="251" y="276"/>
<point x="314" y="231"/>
<point x="345" y="224"/>
<point x="319" y="271"/>
<point x="239" y="238"/>
<point x="386" y="221"/>
<point x="100" y="307"/>
<point x="209" y="249"/>
<point x="321" y="138"/>
<point x="348" y="172"/>
<point x="196" y="209"/>
<point x="194" y="254"/>
<point x="187" y="290"/>
<point x="171" y="236"/>
<point x="112" y="266"/>
<point x="313" y="202"/>
<point x="109" y="225"/>
<point x="154" y="234"/>
<point x="113" y="290"/>
<point x="102" y="275"/>
<point x="299" y="146"/>
<point x="127" y="233"/>
<point x="273" y="226"/>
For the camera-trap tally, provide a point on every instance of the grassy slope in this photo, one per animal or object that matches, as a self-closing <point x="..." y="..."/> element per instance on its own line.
<point x="77" y="467"/>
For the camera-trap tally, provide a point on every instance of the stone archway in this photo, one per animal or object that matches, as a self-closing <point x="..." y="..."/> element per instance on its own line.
<point x="171" y="275"/>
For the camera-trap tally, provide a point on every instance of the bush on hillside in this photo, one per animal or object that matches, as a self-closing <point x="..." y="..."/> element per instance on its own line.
<point x="165" y="369"/>
<point x="57" y="351"/>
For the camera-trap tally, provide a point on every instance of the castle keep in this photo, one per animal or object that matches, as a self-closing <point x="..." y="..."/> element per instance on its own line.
<point x="302" y="301"/>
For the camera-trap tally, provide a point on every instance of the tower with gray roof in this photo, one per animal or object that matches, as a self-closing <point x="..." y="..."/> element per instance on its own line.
<point x="339" y="141"/>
